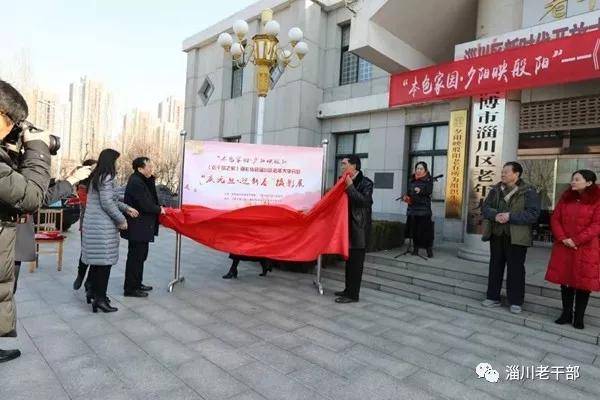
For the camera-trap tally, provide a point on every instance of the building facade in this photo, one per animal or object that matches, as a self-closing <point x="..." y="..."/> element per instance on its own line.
<point x="341" y="92"/>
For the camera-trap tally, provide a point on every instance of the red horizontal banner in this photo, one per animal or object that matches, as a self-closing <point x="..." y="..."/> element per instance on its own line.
<point x="570" y="59"/>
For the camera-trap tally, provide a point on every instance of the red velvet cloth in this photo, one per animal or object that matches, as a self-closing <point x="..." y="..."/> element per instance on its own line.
<point x="275" y="232"/>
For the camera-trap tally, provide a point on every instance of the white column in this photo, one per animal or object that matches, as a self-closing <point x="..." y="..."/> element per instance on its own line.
<point x="260" y="119"/>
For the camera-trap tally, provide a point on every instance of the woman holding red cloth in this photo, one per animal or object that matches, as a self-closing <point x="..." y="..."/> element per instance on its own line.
<point x="575" y="259"/>
<point x="418" y="223"/>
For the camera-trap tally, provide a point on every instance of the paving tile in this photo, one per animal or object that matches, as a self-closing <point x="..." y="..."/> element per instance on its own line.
<point x="391" y="365"/>
<point x="87" y="375"/>
<point x="184" y="331"/>
<point x="168" y="351"/>
<point x="210" y="381"/>
<point x="232" y="335"/>
<point x="145" y="375"/>
<point x="221" y="354"/>
<point x="272" y="384"/>
<point x="446" y="387"/>
<point x="62" y="347"/>
<point x="277" y="358"/>
<point x="115" y="347"/>
<point x="323" y="338"/>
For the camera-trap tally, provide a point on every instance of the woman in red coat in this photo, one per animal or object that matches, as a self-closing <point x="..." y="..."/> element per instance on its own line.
<point x="575" y="259"/>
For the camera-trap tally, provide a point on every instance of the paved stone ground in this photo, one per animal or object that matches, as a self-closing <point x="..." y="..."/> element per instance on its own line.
<point x="265" y="338"/>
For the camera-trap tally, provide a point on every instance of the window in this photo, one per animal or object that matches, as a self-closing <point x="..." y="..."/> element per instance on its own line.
<point x="352" y="68"/>
<point x="206" y="90"/>
<point x="430" y="144"/>
<point x="232" y="139"/>
<point x="349" y="144"/>
<point x="237" y="80"/>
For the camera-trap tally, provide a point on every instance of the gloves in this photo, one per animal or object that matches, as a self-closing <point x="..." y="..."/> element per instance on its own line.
<point x="79" y="174"/>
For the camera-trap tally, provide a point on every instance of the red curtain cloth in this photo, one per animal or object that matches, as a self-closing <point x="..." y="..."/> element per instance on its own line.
<point x="275" y="232"/>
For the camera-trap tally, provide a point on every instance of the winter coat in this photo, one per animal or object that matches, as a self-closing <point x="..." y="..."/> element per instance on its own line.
<point x="524" y="209"/>
<point x="576" y="217"/>
<point x="360" y="202"/>
<point x="420" y="203"/>
<point x="82" y="189"/>
<point x="22" y="192"/>
<point x="25" y="245"/>
<point x="100" y="235"/>
<point x="140" y="194"/>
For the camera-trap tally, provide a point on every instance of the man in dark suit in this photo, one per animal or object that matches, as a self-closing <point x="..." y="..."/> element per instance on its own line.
<point x="360" y="202"/>
<point x="140" y="193"/>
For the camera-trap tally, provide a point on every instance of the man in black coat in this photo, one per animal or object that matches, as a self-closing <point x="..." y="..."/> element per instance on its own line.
<point x="140" y="194"/>
<point x="360" y="201"/>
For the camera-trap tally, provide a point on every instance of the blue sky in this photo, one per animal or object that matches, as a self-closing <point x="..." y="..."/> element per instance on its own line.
<point x="133" y="46"/>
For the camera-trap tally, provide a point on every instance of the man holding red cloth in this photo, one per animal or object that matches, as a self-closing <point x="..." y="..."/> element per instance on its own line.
<point x="360" y="196"/>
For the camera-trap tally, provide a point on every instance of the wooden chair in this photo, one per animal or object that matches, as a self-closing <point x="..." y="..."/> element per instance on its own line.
<point x="46" y="232"/>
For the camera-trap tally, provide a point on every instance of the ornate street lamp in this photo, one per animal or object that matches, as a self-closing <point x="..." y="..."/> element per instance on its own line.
<point x="266" y="54"/>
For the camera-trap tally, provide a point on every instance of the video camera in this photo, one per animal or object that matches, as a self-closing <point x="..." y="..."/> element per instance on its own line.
<point x="14" y="140"/>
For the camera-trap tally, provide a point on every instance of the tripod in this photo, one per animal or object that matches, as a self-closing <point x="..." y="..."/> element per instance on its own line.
<point x="409" y="249"/>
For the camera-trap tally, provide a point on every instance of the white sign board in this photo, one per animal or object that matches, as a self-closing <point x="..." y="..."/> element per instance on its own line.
<point x="226" y="176"/>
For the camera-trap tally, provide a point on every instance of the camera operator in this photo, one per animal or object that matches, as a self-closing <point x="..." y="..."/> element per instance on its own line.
<point x="22" y="190"/>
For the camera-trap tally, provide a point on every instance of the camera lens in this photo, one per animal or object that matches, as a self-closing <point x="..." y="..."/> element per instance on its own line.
<point x="54" y="145"/>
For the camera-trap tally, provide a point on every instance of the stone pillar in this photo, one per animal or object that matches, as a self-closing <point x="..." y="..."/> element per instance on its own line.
<point x="494" y="17"/>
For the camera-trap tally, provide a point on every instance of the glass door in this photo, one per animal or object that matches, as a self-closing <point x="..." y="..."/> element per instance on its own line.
<point x="551" y="175"/>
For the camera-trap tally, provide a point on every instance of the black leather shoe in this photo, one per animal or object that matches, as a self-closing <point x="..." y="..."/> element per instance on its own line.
<point x="135" y="293"/>
<point x="7" y="355"/>
<point x="103" y="305"/>
<point x="429" y="252"/>
<point x="145" y="288"/>
<point x="344" y="300"/>
<point x="340" y="294"/>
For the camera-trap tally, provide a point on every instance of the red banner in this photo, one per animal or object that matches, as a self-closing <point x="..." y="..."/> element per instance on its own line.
<point x="570" y="59"/>
<point x="275" y="232"/>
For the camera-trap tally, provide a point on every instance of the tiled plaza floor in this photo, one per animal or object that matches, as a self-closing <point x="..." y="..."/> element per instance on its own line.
<point x="265" y="338"/>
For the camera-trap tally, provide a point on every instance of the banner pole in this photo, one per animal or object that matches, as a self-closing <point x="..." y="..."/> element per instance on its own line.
<point x="177" y="278"/>
<point x="324" y="143"/>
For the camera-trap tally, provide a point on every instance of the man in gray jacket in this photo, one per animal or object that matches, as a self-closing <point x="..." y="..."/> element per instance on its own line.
<point x="22" y="189"/>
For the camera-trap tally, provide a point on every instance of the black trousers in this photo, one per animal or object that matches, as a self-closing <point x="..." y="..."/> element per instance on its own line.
<point x="503" y="253"/>
<point x="81" y="271"/>
<point x="17" y="270"/>
<point x="354" y="270"/>
<point x="134" y="268"/>
<point x="420" y="229"/>
<point x="99" y="276"/>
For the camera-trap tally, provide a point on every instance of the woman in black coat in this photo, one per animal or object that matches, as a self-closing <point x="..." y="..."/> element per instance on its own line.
<point x="418" y="224"/>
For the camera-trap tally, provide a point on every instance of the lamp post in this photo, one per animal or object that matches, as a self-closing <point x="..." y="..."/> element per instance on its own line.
<point x="265" y="53"/>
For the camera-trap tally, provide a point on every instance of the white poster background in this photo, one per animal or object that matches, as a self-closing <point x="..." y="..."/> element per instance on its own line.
<point x="226" y="176"/>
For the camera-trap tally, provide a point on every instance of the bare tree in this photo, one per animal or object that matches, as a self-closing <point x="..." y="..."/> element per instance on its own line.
<point x="166" y="161"/>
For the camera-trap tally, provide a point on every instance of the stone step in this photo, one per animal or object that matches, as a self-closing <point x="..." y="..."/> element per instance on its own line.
<point x="463" y="271"/>
<point x="533" y="302"/>
<point x="531" y="318"/>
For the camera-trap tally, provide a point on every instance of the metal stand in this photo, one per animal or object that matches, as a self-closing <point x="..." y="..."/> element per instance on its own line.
<point x="177" y="278"/>
<point x="409" y="250"/>
<point x="317" y="282"/>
